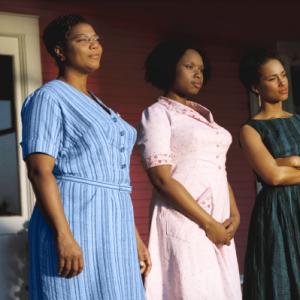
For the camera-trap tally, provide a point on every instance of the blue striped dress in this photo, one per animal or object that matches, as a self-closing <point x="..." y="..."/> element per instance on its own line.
<point x="92" y="149"/>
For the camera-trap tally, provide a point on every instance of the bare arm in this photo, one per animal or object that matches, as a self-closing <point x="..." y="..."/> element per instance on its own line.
<point x="179" y="198"/>
<point x="40" y="168"/>
<point x="263" y="162"/>
<point x="143" y="255"/>
<point x="233" y="222"/>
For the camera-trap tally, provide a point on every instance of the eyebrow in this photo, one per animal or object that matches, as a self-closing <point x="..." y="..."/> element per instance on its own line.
<point x="267" y="76"/>
<point x="191" y="62"/>
<point x="83" y="34"/>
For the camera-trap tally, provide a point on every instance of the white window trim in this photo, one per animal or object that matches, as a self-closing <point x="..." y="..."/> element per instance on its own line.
<point x="26" y="29"/>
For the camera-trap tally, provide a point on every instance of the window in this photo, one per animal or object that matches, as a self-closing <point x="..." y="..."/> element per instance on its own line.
<point x="9" y="177"/>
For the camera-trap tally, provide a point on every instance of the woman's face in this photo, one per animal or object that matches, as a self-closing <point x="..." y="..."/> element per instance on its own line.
<point x="83" y="49"/>
<point x="273" y="84"/>
<point x="189" y="74"/>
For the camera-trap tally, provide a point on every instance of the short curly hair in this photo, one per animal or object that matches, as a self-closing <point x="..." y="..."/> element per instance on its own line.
<point x="160" y="65"/>
<point x="250" y="64"/>
<point x="55" y="34"/>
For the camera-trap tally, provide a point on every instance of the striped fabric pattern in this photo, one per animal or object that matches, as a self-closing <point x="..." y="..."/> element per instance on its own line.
<point x="272" y="262"/>
<point x="92" y="149"/>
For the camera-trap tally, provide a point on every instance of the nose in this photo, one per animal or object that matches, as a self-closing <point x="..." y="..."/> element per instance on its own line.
<point x="281" y="81"/>
<point x="94" y="43"/>
<point x="198" y="74"/>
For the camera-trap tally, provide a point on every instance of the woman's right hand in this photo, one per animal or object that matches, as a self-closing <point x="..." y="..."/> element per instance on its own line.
<point x="70" y="257"/>
<point x="217" y="233"/>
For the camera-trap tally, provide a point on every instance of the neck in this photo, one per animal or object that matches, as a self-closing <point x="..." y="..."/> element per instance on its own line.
<point x="272" y="109"/>
<point x="174" y="96"/>
<point x="76" y="79"/>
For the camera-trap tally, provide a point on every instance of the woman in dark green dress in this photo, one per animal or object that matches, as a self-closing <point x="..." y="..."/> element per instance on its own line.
<point x="271" y="143"/>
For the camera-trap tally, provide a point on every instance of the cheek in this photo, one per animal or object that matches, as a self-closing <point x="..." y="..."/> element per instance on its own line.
<point x="183" y="77"/>
<point x="268" y="89"/>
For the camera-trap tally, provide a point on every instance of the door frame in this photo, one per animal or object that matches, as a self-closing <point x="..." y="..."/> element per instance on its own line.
<point x="25" y="30"/>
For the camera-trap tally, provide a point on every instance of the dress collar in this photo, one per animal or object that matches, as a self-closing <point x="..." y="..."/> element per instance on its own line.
<point x="192" y="109"/>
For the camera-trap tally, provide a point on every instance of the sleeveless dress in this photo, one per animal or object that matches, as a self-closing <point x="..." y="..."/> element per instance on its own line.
<point x="92" y="148"/>
<point x="272" y="263"/>
<point x="186" y="265"/>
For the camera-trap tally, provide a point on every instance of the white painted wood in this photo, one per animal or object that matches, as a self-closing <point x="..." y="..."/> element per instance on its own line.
<point x="19" y="37"/>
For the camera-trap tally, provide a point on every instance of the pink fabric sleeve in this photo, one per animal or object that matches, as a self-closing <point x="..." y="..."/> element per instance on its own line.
<point x="154" y="137"/>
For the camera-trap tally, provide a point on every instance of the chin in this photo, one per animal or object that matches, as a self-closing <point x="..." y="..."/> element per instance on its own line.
<point x="193" y="93"/>
<point x="285" y="98"/>
<point x="92" y="69"/>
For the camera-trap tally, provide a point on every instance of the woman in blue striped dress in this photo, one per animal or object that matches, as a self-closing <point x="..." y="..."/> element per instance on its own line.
<point x="82" y="238"/>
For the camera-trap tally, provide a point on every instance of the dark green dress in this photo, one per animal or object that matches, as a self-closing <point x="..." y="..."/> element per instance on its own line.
<point x="272" y="263"/>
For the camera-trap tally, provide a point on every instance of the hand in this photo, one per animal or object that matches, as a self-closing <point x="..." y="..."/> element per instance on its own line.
<point x="217" y="233"/>
<point x="144" y="258"/>
<point x="289" y="161"/>
<point x="231" y="225"/>
<point x="70" y="257"/>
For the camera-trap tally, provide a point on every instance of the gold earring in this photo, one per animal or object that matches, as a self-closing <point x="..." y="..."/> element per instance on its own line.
<point x="258" y="100"/>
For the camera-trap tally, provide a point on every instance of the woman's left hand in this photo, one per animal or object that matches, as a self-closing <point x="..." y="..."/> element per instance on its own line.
<point x="144" y="258"/>
<point x="289" y="161"/>
<point x="232" y="224"/>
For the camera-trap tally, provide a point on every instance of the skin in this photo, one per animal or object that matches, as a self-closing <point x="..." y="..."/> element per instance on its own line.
<point x="188" y="82"/>
<point x="273" y="88"/>
<point x="80" y="58"/>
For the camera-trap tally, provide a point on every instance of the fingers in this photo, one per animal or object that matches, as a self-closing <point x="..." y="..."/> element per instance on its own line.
<point x="227" y="241"/>
<point x="230" y="229"/>
<point x="148" y="266"/>
<point x="80" y="264"/>
<point x="142" y="267"/>
<point x="145" y="267"/>
<point x="74" y="268"/>
<point x="67" y="267"/>
<point x="227" y="223"/>
<point x="61" y="265"/>
<point x="70" y="267"/>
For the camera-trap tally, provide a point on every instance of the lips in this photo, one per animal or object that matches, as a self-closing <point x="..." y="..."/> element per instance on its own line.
<point x="284" y="92"/>
<point x="198" y="85"/>
<point x="95" y="56"/>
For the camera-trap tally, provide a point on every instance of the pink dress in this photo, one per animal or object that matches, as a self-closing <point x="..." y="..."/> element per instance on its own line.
<point x="186" y="264"/>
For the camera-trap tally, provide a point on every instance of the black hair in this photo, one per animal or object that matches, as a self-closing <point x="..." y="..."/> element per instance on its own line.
<point x="160" y="65"/>
<point x="55" y="34"/>
<point x="250" y="64"/>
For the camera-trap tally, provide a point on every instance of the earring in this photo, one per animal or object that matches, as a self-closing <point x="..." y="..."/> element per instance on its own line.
<point x="258" y="100"/>
<point x="62" y="58"/>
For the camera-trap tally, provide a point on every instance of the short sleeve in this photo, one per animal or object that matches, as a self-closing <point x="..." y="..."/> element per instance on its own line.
<point x="154" y="137"/>
<point x="41" y="124"/>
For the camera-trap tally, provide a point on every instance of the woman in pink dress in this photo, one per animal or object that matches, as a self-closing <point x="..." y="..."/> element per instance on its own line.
<point x="194" y="214"/>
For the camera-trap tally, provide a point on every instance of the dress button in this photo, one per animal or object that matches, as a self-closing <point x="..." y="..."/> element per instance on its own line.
<point x="219" y="167"/>
<point x="123" y="166"/>
<point x="122" y="133"/>
<point x="114" y="119"/>
<point x="217" y="156"/>
<point x="122" y="149"/>
<point x="218" y="145"/>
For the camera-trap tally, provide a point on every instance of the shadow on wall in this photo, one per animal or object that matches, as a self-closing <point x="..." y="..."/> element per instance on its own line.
<point x="14" y="283"/>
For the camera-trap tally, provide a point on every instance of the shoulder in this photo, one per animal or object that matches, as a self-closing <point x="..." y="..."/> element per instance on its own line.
<point x="43" y="96"/>
<point x="156" y="110"/>
<point x="46" y="91"/>
<point x="157" y="106"/>
<point x="248" y="134"/>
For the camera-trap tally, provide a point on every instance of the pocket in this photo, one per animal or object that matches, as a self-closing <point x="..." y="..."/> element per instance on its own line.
<point x="205" y="200"/>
